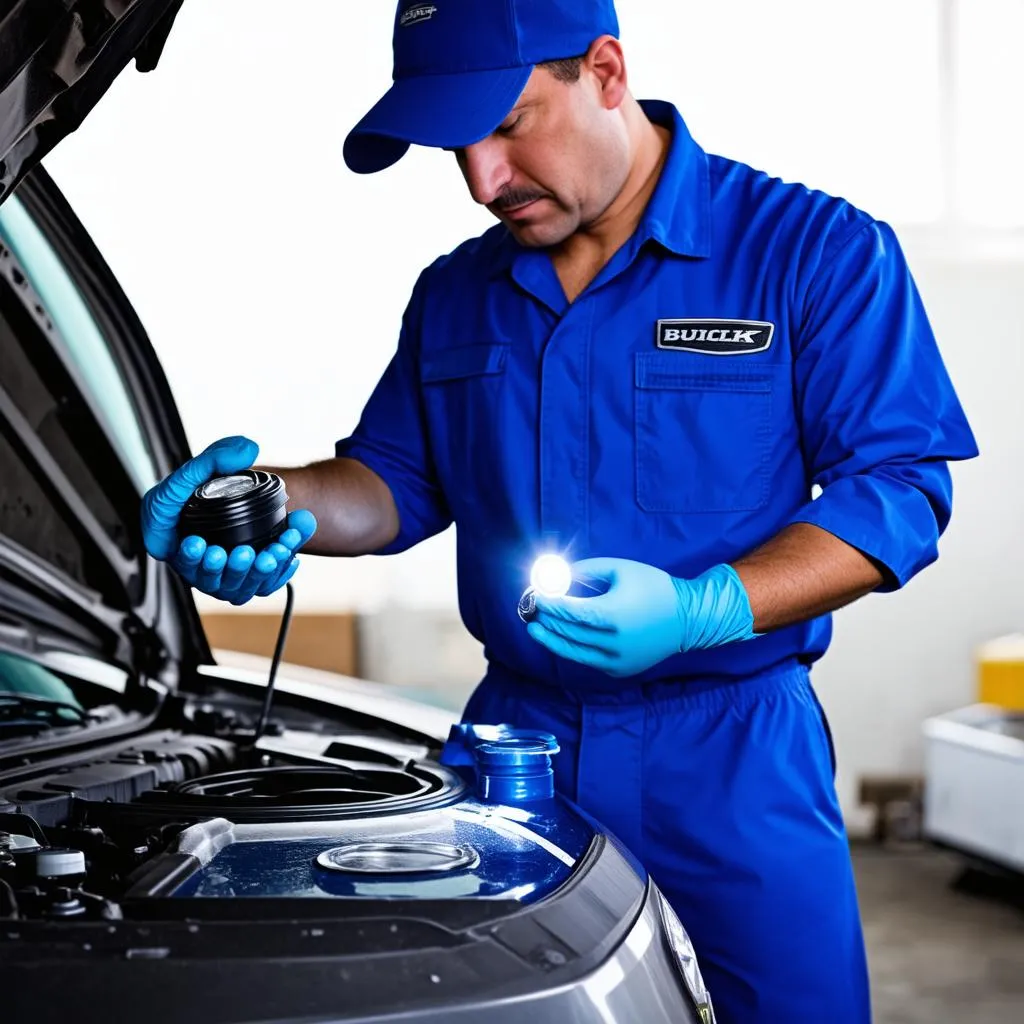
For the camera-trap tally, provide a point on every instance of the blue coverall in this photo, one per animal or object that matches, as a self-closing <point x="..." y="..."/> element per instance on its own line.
<point x="803" y="357"/>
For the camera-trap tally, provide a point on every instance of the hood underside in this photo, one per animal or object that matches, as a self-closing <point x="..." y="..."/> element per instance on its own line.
<point x="57" y="58"/>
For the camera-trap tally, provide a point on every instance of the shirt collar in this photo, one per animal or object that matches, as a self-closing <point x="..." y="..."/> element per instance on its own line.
<point x="678" y="214"/>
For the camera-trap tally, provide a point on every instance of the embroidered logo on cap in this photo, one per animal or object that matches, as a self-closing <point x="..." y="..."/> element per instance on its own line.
<point x="716" y="337"/>
<point x="417" y="13"/>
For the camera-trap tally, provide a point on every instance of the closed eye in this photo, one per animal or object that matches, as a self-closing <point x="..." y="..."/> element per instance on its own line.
<point x="507" y="129"/>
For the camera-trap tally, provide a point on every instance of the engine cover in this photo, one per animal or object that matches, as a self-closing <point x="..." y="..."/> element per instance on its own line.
<point x="468" y="849"/>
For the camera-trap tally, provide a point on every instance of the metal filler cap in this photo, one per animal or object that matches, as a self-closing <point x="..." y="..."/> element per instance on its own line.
<point x="398" y="858"/>
<point x="227" y="487"/>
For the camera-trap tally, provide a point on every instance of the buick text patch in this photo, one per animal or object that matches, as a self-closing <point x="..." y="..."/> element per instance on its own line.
<point x="417" y="14"/>
<point x="716" y="337"/>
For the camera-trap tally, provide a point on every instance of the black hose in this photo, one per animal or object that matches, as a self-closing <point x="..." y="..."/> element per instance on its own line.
<point x="282" y="637"/>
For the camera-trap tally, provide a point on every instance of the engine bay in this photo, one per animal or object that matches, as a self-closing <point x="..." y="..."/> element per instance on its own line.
<point x="306" y="864"/>
<point x="79" y="830"/>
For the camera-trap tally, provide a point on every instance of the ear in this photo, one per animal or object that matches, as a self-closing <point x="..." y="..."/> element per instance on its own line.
<point x="607" y="63"/>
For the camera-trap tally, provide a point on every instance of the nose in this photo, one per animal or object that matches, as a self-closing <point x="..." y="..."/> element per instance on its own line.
<point x="485" y="169"/>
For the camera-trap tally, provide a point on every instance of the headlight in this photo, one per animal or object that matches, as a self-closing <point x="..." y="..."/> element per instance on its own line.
<point x="686" y="959"/>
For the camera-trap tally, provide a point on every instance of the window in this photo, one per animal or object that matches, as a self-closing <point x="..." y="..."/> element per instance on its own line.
<point x="989" y="89"/>
<point x="841" y="97"/>
<point x="910" y="110"/>
<point x="67" y="423"/>
<point x="86" y="345"/>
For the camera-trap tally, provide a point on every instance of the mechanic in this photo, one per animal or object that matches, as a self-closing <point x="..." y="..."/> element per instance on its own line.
<point x="646" y="366"/>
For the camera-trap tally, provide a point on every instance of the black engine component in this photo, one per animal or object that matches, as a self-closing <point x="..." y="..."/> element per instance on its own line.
<point x="75" y="833"/>
<point x="126" y="772"/>
<point x="245" y="508"/>
<point x="307" y="792"/>
<point x="40" y="881"/>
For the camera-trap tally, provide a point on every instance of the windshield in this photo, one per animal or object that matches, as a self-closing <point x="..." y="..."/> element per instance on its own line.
<point x="84" y="341"/>
<point x="71" y="429"/>
<point x="33" y="699"/>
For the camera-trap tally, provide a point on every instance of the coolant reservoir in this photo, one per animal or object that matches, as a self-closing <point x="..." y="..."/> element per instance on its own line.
<point x="513" y="766"/>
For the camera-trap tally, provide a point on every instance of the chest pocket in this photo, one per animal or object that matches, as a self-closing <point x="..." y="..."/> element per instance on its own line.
<point x="702" y="439"/>
<point x="462" y="362"/>
<point x="463" y="393"/>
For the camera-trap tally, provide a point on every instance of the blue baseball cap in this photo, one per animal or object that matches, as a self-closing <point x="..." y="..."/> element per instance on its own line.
<point x="460" y="66"/>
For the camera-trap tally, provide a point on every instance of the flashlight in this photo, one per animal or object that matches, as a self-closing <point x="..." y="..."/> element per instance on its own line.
<point x="244" y="508"/>
<point x="551" y="576"/>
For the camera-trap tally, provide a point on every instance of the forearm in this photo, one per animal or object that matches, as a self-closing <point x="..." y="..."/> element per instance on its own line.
<point x="354" y="508"/>
<point x="801" y="573"/>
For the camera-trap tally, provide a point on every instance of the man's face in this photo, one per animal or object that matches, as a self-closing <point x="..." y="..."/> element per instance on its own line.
<point x="556" y="162"/>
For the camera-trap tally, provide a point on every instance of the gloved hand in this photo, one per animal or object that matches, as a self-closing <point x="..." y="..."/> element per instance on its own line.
<point x="643" y="617"/>
<point x="243" y="574"/>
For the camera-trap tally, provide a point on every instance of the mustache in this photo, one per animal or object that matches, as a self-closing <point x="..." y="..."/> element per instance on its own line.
<point x="510" y="197"/>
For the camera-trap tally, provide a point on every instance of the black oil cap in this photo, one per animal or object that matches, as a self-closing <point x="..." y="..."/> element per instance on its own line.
<point x="244" y="508"/>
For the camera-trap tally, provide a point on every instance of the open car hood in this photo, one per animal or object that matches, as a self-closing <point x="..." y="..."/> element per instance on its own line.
<point x="73" y="572"/>
<point x="57" y="58"/>
<point x="87" y="424"/>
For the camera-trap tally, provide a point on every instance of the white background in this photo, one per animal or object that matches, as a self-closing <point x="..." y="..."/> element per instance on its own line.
<point x="272" y="280"/>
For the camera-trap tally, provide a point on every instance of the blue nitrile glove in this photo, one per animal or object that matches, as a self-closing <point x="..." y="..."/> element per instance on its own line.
<point x="643" y="617"/>
<point x="243" y="574"/>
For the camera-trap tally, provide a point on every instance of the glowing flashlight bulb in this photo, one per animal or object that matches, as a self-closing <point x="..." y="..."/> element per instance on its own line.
<point x="551" y="576"/>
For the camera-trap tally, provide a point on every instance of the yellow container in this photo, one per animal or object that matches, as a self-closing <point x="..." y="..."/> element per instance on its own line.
<point x="1001" y="672"/>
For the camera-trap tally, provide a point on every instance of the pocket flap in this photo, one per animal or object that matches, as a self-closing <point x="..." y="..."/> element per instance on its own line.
<point x="659" y="370"/>
<point x="463" y="361"/>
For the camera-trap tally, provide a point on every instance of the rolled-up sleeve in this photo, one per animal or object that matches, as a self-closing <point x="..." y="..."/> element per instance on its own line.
<point x="392" y="439"/>
<point x="879" y="417"/>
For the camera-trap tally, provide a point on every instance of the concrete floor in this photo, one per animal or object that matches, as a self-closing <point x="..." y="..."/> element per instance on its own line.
<point x="938" y="954"/>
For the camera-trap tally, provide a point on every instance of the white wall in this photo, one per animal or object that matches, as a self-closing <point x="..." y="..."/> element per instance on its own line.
<point x="272" y="280"/>
<point x="899" y="658"/>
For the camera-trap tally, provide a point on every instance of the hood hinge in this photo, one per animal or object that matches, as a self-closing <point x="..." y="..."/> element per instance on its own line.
<point x="148" y="653"/>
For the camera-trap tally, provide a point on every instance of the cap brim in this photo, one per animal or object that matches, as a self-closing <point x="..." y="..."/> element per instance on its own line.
<point x="445" y="111"/>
